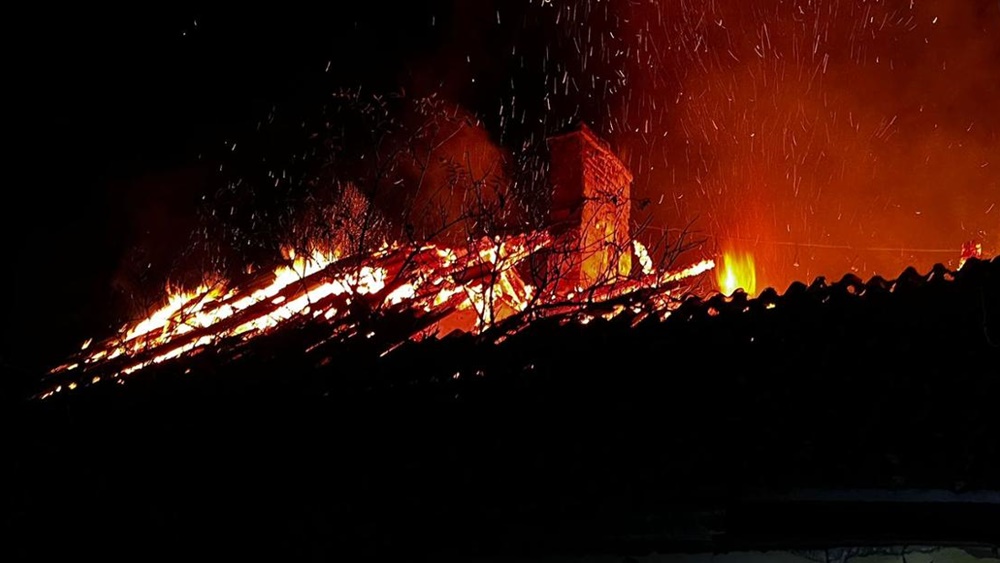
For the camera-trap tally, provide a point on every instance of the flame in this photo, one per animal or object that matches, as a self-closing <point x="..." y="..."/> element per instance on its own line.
<point x="207" y="307"/>
<point x="970" y="249"/>
<point x="737" y="272"/>
<point x="465" y="289"/>
<point x="642" y="254"/>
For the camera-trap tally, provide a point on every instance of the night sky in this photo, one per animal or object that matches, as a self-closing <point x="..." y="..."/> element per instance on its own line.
<point x="824" y="136"/>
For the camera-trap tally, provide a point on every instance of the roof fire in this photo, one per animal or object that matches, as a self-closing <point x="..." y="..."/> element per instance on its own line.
<point x="579" y="268"/>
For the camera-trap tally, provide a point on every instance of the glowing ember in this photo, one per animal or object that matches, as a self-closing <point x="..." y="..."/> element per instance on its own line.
<point x="738" y="272"/>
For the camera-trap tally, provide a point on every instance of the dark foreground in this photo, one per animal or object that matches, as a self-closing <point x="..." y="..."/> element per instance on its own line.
<point x="839" y="417"/>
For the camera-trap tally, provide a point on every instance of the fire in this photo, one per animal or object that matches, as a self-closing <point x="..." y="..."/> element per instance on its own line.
<point x="194" y="319"/>
<point x="468" y="290"/>
<point x="970" y="249"/>
<point x="737" y="272"/>
<point x="585" y="266"/>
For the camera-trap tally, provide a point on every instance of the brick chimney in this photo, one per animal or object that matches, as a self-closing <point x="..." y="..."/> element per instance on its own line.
<point x="589" y="214"/>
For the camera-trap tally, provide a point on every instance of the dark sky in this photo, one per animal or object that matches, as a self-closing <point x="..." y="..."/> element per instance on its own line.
<point x="825" y="136"/>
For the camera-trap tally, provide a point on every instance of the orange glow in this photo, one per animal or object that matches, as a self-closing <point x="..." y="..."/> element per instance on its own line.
<point x="737" y="272"/>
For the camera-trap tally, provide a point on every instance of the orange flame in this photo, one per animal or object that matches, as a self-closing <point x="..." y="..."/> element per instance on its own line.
<point x="737" y="272"/>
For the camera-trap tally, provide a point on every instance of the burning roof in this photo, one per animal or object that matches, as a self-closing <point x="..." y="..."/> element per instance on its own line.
<point x="438" y="290"/>
<point x="585" y="267"/>
<point x="332" y="308"/>
<point x="582" y="266"/>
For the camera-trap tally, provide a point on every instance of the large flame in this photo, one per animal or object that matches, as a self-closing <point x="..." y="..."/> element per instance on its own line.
<point x="738" y="272"/>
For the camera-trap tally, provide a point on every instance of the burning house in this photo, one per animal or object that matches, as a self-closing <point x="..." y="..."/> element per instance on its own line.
<point x="418" y="360"/>
<point x="409" y="393"/>
<point x="491" y="395"/>
<point x="580" y="267"/>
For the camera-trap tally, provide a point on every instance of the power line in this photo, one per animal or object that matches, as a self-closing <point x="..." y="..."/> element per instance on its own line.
<point x="900" y="250"/>
<point x="845" y="246"/>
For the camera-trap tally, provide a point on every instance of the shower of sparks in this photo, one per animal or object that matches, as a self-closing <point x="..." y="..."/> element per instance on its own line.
<point x="833" y="135"/>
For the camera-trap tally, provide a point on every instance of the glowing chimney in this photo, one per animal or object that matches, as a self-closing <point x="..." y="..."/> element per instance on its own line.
<point x="589" y="214"/>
